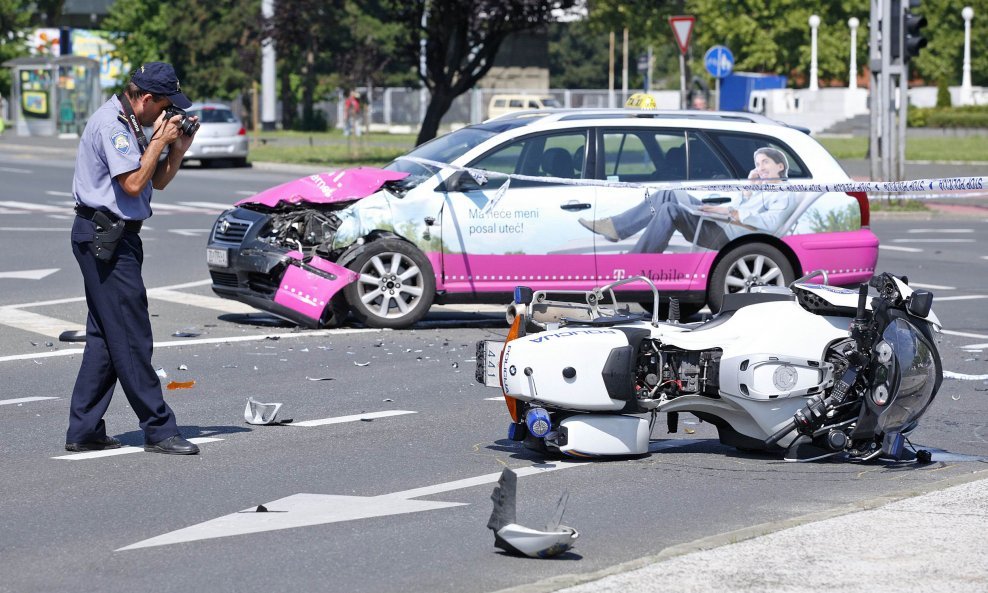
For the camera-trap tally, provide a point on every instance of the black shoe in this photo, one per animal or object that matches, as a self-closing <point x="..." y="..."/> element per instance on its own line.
<point x="175" y="445"/>
<point x="97" y="445"/>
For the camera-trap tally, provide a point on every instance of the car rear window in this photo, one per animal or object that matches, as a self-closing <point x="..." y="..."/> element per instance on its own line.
<point x="214" y="116"/>
<point x="742" y="147"/>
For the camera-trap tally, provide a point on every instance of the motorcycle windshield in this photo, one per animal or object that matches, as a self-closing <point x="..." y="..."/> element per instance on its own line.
<point x="914" y="378"/>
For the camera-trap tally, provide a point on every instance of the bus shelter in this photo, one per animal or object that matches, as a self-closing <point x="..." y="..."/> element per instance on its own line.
<point x="53" y="94"/>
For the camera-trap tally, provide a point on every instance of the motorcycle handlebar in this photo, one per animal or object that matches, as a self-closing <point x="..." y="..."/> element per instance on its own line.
<point x="777" y="436"/>
<point x="862" y="301"/>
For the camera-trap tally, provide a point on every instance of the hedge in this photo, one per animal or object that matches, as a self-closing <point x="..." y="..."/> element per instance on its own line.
<point x="968" y="116"/>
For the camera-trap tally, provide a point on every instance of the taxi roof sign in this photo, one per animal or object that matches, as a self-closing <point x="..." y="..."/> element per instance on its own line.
<point x="682" y="30"/>
<point x="641" y="101"/>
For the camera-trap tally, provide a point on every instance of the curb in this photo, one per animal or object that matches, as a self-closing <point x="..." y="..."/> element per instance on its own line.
<point x="732" y="537"/>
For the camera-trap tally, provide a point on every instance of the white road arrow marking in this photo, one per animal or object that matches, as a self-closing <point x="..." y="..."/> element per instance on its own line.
<point x="123" y="450"/>
<point x="304" y="510"/>
<point x="23" y="400"/>
<point x="189" y="232"/>
<point x="30" y="274"/>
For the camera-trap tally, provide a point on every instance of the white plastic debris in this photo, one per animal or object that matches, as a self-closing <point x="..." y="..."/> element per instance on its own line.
<point x="260" y="413"/>
<point x="517" y="539"/>
<point x="161" y="373"/>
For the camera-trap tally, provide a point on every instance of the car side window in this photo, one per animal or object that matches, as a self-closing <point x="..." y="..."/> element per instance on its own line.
<point x="704" y="162"/>
<point x="516" y="104"/>
<point x="644" y="155"/>
<point x="545" y="155"/>
<point x="742" y="147"/>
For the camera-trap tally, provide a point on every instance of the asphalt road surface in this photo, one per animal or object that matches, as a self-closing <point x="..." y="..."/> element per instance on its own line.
<point x="383" y="482"/>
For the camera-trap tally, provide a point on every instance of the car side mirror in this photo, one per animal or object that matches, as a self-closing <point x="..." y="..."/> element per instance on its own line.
<point x="459" y="181"/>
<point x="523" y="295"/>
<point x="920" y="303"/>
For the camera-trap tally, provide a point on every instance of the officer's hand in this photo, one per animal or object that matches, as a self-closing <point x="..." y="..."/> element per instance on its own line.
<point x="183" y="142"/>
<point x="167" y="129"/>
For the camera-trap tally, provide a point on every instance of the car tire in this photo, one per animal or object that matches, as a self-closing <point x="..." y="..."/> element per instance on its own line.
<point x="751" y="264"/>
<point x="395" y="285"/>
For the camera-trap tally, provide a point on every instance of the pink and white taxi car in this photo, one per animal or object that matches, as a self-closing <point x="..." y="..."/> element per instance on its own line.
<point x="386" y="244"/>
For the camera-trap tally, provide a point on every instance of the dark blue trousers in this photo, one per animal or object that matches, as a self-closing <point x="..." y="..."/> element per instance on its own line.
<point x="118" y="342"/>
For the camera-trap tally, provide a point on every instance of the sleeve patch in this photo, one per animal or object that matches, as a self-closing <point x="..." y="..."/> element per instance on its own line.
<point x="120" y="142"/>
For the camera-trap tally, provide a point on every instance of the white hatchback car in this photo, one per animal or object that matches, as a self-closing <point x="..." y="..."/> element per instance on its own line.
<point x="221" y="135"/>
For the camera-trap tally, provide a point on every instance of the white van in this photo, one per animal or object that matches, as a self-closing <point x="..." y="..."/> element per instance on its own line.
<point x="501" y="104"/>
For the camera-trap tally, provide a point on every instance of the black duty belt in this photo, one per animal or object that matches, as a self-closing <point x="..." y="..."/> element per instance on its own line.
<point x="134" y="226"/>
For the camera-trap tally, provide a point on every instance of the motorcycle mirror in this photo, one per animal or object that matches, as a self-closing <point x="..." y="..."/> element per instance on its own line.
<point x="920" y="303"/>
<point x="523" y="295"/>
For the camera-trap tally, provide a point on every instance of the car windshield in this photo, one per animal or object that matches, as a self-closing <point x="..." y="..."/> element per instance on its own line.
<point x="446" y="149"/>
<point x="212" y="115"/>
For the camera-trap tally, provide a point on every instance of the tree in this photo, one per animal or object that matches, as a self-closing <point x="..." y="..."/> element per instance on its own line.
<point x="370" y="51"/>
<point x="303" y="32"/>
<point x="943" y="58"/>
<point x="14" y="19"/>
<point x="214" y="47"/>
<point x="461" y="39"/>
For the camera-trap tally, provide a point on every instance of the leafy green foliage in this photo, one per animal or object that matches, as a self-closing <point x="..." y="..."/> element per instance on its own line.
<point x="834" y="220"/>
<point x="214" y="46"/>
<point x="14" y="18"/>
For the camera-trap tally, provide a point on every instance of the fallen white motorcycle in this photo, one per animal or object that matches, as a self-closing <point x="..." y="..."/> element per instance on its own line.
<point x="812" y="369"/>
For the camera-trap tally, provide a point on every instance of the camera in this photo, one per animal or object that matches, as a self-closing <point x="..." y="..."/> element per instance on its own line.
<point x="186" y="124"/>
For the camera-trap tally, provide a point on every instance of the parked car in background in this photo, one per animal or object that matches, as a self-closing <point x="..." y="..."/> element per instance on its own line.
<point x="501" y="104"/>
<point x="385" y="244"/>
<point x="221" y="135"/>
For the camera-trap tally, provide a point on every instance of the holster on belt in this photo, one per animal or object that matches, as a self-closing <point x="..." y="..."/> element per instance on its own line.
<point x="107" y="237"/>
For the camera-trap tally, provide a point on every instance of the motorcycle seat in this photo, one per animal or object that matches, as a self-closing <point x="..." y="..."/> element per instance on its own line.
<point x="736" y="300"/>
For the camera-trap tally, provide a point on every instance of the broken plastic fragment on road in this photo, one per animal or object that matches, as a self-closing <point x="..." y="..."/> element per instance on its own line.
<point x="319" y="378"/>
<point x="261" y="413"/>
<point x="516" y="539"/>
<point x="181" y="385"/>
<point x="186" y="334"/>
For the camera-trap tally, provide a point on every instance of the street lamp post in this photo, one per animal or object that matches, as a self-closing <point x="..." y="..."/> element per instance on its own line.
<point x="852" y="82"/>
<point x="966" y="98"/>
<point x="814" y="23"/>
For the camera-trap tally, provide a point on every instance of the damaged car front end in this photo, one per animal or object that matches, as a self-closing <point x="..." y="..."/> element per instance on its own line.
<point x="303" y="252"/>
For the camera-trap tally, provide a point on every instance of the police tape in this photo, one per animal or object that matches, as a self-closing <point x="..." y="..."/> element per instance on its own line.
<point x="915" y="186"/>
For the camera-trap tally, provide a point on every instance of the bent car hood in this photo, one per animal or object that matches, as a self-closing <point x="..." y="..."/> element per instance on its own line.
<point x="326" y="188"/>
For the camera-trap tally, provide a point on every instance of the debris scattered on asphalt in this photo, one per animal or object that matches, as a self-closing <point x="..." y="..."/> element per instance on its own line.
<point x="183" y="367"/>
<point x="186" y="334"/>
<point x="161" y="373"/>
<point x="261" y="413"/>
<point x="72" y="335"/>
<point x="181" y="385"/>
<point x="516" y="539"/>
<point x="319" y="378"/>
<point x="361" y="364"/>
<point x="272" y="338"/>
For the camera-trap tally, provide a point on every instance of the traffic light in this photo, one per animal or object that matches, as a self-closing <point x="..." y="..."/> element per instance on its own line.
<point x="912" y="38"/>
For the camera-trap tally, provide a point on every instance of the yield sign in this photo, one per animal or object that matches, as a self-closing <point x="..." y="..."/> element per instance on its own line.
<point x="682" y="30"/>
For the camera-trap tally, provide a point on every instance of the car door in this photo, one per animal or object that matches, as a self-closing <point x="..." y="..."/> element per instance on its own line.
<point x="496" y="236"/>
<point x="624" y="216"/>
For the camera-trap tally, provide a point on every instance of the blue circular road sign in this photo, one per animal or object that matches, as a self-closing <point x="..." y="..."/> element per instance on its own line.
<point x="719" y="61"/>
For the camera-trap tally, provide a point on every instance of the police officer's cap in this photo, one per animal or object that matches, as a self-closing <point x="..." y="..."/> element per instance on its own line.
<point x="159" y="78"/>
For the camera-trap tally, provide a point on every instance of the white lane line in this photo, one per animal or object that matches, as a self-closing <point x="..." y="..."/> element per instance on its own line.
<point x="23" y="400"/>
<point x="941" y="230"/>
<point x="195" y="341"/>
<point x="932" y="286"/>
<point x="29" y="274"/>
<point x="963" y="377"/>
<point x="906" y="249"/>
<point x="123" y="450"/>
<point x="37" y="207"/>
<point x="39" y="324"/>
<point x="963" y="334"/>
<point x="353" y="418"/>
<point x="245" y="192"/>
<point x="13" y="170"/>
<point x="199" y="300"/>
<point x="60" y="194"/>
<point x="933" y="240"/>
<point x="967" y="297"/>
<point x="176" y="208"/>
<point x="975" y="346"/>
<point x="61" y="229"/>
<point x="82" y="298"/>
<point x="216" y="207"/>
<point x="189" y="232"/>
<point x="493" y="399"/>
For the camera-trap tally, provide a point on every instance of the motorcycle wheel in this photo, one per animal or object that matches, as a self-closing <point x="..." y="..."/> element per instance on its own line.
<point x="751" y="264"/>
<point x="395" y="284"/>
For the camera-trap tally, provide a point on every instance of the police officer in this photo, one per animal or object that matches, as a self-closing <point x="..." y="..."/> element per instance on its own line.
<point x="116" y="169"/>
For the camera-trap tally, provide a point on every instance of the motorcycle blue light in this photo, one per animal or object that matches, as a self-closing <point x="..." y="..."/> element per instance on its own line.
<point x="538" y="422"/>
